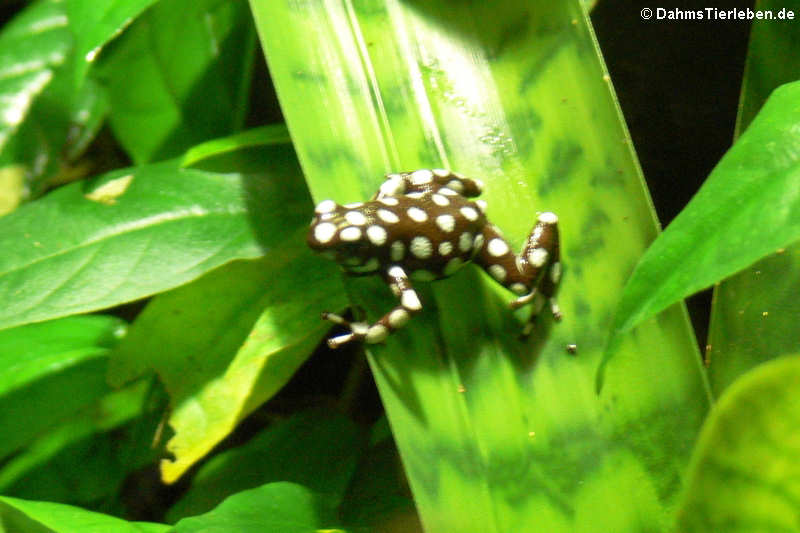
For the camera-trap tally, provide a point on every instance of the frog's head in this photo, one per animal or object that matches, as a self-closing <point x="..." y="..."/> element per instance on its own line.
<point x="337" y="232"/>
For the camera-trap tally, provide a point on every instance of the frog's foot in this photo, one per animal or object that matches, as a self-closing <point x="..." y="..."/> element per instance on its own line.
<point x="538" y="303"/>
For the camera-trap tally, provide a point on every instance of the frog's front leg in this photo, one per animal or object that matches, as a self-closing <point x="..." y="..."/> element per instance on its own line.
<point x="424" y="180"/>
<point x="535" y="271"/>
<point x="395" y="319"/>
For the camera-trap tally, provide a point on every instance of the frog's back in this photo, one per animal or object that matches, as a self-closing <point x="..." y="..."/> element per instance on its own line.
<point x="429" y="234"/>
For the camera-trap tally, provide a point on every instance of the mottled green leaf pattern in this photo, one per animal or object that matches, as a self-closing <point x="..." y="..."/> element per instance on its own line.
<point x="499" y="434"/>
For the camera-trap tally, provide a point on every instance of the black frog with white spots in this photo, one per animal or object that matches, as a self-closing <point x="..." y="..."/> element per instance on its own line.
<point x="423" y="226"/>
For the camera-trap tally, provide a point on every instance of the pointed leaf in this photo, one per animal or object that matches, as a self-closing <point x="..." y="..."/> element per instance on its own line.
<point x="754" y="317"/>
<point x="50" y="371"/>
<point x="748" y="208"/>
<point x="136" y="232"/>
<point x="497" y="433"/>
<point x="94" y="24"/>
<point x="47" y="517"/>
<point x="284" y="507"/>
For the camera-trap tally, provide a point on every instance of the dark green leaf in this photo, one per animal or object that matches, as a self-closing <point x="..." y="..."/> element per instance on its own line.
<point x="135" y="232"/>
<point x="180" y="75"/>
<point x="747" y="209"/>
<point x="279" y="507"/>
<point x="312" y="448"/>
<point x="745" y="471"/>
<point x="86" y="458"/>
<point x="95" y="23"/>
<point x="50" y="371"/>
<point x="32" y="46"/>
<point x="245" y="329"/>
<point x="754" y="317"/>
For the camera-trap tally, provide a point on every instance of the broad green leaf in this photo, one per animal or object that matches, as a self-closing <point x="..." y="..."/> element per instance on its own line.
<point x="32" y="46"/>
<point x="747" y="209"/>
<point x="244" y="331"/>
<point x="58" y="128"/>
<point x="315" y="449"/>
<point x="94" y="24"/>
<point x="135" y="232"/>
<point x="497" y="433"/>
<point x="46" y="517"/>
<point x="179" y="75"/>
<point x="284" y="507"/>
<point x="745" y="471"/>
<point x="754" y="317"/>
<point x="84" y="459"/>
<point x="50" y="371"/>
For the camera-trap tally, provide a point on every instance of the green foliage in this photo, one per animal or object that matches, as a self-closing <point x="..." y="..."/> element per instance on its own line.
<point x="744" y="475"/>
<point x="200" y="369"/>
<point x="753" y="187"/>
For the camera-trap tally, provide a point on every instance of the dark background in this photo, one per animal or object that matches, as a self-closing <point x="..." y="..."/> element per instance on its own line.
<point x="678" y="83"/>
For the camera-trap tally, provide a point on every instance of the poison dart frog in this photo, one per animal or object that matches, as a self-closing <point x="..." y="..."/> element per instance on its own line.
<point x="422" y="225"/>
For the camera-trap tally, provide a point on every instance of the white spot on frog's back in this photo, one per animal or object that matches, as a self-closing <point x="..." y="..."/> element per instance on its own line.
<point x="416" y="214"/>
<point x="469" y="213"/>
<point x="440" y="200"/>
<point x="326" y="206"/>
<point x="456" y="185"/>
<point x="537" y="257"/>
<point x="387" y="216"/>
<point x="355" y="218"/>
<point x="421" y="177"/>
<point x="350" y="234"/>
<point x="389" y="201"/>
<point x="465" y="242"/>
<point x="397" y="251"/>
<point x="445" y="248"/>
<point x="446" y="223"/>
<point x="498" y="272"/>
<point x="324" y="232"/>
<point x="376" y="235"/>
<point x="421" y="247"/>
<point x="441" y="173"/>
<point x="498" y="247"/>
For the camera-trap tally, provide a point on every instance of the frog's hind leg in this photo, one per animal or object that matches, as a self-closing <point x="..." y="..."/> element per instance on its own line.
<point x="533" y="274"/>
<point x="391" y="321"/>
<point x="424" y="180"/>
